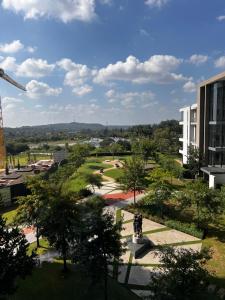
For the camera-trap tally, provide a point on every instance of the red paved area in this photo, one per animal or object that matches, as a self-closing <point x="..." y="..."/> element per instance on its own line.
<point x="27" y="230"/>
<point x="120" y="196"/>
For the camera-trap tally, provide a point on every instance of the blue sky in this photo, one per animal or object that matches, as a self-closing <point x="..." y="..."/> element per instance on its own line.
<point x="107" y="61"/>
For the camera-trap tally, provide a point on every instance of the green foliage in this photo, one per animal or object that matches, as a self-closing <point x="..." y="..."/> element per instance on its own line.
<point x="134" y="176"/>
<point x="32" y="207"/>
<point x="60" y="222"/>
<point x="208" y="204"/>
<point x="99" y="243"/>
<point x="16" y="148"/>
<point x="182" y="275"/>
<point x="195" y="161"/>
<point x="188" y="228"/>
<point x="144" y="147"/>
<point x="14" y="260"/>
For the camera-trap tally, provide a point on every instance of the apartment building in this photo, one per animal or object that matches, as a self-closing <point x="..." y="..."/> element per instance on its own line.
<point x="189" y="124"/>
<point x="207" y="132"/>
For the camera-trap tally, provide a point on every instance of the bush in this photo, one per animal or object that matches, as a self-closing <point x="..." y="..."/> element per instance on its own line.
<point x="185" y="227"/>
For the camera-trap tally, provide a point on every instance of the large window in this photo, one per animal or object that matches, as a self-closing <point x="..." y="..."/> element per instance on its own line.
<point x="216" y="159"/>
<point x="217" y="135"/>
<point x="217" y="102"/>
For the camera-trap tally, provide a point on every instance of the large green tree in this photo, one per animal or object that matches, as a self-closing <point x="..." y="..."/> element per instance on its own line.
<point x="14" y="261"/>
<point x="60" y="223"/>
<point x="207" y="204"/>
<point x="182" y="275"/>
<point x="32" y="207"/>
<point x="134" y="176"/>
<point x="99" y="242"/>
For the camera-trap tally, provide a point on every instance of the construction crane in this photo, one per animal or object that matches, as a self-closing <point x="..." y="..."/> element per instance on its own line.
<point x="4" y="76"/>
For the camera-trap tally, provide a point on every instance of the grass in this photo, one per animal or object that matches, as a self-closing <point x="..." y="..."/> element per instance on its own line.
<point x="9" y="214"/>
<point x="114" y="173"/>
<point x="23" y="158"/>
<point x="216" y="241"/>
<point x="48" y="282"/>
<point x="44" y="247"/>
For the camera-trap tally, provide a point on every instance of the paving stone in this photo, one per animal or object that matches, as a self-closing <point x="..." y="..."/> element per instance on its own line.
<point x="140" y="275"/>
<point x="150" y="257"/>
<point x="127" y="215"/>
<point x="110" y="269"/>
<point x="147" y="226"/>
<point x="142" y="293"/>
<point x="125" y="257"/>
<point x="150" y="225"/>
<point x="170" y="236"/>
<point x="211" y="288"/>
<point x="122" y="271"/>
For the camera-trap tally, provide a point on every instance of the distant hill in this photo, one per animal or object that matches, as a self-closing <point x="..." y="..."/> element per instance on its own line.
<point x="52" y="129"/>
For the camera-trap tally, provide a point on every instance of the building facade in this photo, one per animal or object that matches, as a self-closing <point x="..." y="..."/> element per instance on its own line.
<point x="189" y="128"/>
<point x="209" y="128"/>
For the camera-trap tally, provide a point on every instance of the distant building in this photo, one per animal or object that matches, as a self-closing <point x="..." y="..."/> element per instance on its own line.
<point x="189" y="124"/>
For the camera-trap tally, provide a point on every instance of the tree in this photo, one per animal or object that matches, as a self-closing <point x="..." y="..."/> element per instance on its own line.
<point x="61" y="222"/>
<point x="32" y="207"/>
<point x="14" y="260"/>
<point x="78" y="154"/>
<point x="93" y="180"/>
<point x="208" y="204"/>
<point x="195" y="160"/>
<point x="182" y="275"/>
<point x="133" y="178"/>
<point x="114" y="149"/>
<point x="147" y="148"/>
<point x="99" y="243"/>
<point x="161" y="194"/>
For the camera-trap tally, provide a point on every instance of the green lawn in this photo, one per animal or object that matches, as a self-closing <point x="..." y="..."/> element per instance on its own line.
<point x="77" y="183"/>
<point x="23" y="158"/>
<point x="44" y="246"/>
<point x="48" y="283"/>
<point x="114" y="173"/>
<point x="9" y="215"/>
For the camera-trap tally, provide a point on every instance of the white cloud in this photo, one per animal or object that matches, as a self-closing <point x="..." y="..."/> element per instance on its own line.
<point x="221" y="18"/>
<point x="110" y="93"/>
<point x="9" y="103"/>
<point x="190" y="87"/>
<point x="143" y="32"/>
<point x="12" y="47"/>
<point x="198" y="59"/>
<point x="34" y="68"/>
<point x="156" y="3"/>
<point x="36" y="89"/>
<point x="7" y="100"/>
<point x="65" y="11"/>
<point x="220" y="62"/>
<point x="8" y="63"/>
<point x="31" y="49"/>
<point x="82" y="90"/>
<point x="76" y="76"/>
<point x="157" y="69"/>
<point x="132" y="99"/>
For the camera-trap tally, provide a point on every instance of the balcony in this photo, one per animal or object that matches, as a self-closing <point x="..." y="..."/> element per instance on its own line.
<point x="181" y="151"/>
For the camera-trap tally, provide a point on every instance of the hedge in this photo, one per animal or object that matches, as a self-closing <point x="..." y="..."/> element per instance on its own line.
<point x="188" y="228"/>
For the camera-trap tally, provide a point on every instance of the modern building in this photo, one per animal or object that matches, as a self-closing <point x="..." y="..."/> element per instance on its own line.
<point x="208" y="128"/>
<point x="189" y="124"/>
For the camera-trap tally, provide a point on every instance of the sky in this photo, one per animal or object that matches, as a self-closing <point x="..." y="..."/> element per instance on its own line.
<point x="114" y="62"/>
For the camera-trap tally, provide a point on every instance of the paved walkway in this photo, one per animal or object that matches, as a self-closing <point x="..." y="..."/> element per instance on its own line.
<point x="137" y="272"/>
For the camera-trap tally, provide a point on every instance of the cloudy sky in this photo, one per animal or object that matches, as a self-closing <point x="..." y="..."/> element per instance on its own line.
<point x="107" y="61"/>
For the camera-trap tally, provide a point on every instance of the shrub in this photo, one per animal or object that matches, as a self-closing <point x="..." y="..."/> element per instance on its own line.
<point x="185" y="227"/>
